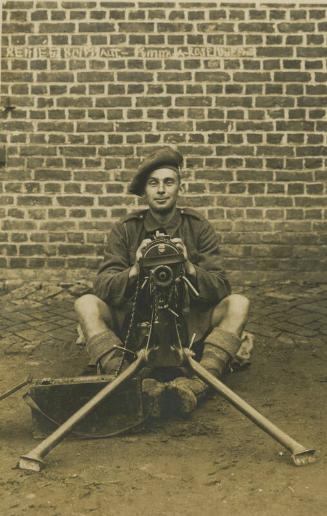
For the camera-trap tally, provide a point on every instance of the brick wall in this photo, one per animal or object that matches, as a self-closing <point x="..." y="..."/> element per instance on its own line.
<point x="88" y="88"/>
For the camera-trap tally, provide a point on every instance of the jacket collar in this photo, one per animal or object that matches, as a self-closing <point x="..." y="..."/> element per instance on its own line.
<point x="151" y="224"/>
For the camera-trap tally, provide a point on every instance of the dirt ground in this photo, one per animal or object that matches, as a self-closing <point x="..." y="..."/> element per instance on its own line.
<point x="215" y="462"/>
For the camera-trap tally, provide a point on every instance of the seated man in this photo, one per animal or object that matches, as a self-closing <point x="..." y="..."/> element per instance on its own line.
<point x="216" y="317"/>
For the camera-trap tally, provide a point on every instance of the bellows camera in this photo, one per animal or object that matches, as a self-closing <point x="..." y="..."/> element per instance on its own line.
<point x="162" y="262"/>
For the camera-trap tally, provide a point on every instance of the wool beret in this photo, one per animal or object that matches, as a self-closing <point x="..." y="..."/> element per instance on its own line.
<point x="166" y="157"/>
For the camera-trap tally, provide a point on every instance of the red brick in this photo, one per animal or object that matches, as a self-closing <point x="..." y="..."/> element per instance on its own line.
<point x="256" y="27"/>
<point x="14" y="77"/>
<point x="133" y="126"/>
<point x="78" y="151"/>
<point x="175" y="126"/>
<point x="256" y="77"/>
<point x="292" y="76"/>
<point x="174" y="76"/>
<point x="31" y="250"/>
<point x="16" y="28"/>
<point x="313" y="101"/>
<point x="95" y="76"/>
<point x="251" y="129"/>
<point x="56" y="28"/>
<point x="75" y="200"/>
<point x="296" y="27"/>
<point x="216" y="76"/>
<point x="134" y="76"/>
<point x="34" y="200"/>
<point x="94" y="127"/>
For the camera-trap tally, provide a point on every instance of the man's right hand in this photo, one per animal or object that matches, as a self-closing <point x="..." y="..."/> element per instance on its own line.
<point x="135" y="269"/>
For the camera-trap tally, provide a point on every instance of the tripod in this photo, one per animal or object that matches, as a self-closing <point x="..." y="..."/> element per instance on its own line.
<point x="164" y="282"/>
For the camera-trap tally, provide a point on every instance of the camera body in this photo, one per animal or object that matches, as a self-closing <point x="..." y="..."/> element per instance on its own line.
<point x="162" y="262"/>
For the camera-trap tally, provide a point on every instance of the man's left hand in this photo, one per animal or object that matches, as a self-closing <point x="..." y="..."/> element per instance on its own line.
<point x="189" y="267"/>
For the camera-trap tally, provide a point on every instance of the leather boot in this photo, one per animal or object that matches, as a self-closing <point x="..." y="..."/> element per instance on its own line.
<point x="154" y="397"/>
<point x="218" y="351"/>
<point x="102" y="351"/>
<point x="184" y="394"/>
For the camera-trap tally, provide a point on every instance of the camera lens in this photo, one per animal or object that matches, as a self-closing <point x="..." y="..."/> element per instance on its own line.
<point x="162" y="275"/>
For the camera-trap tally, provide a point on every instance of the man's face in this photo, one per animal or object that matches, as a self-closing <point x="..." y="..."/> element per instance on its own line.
<point x="162" y="189"/>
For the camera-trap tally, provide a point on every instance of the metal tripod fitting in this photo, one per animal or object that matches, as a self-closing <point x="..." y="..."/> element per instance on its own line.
<point x="300" y="455"/>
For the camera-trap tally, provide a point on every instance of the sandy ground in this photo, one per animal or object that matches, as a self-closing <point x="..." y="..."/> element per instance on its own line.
<point x="215" y="462"/>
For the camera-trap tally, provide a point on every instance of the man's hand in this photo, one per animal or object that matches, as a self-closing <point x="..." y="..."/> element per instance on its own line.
<point x="135" y="269"/>
<point x="189" y="267"/>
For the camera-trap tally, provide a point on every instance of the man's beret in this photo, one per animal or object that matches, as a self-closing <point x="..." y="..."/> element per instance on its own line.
<point x="166" y="157"/>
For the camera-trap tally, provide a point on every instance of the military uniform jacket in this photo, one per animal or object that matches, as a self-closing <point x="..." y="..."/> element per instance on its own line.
<point x="113" y="285"/>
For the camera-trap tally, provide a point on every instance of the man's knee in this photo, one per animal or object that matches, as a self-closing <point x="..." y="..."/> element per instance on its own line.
<point x="87" y="303"/>
<point x="233" y="308"/>
<point x="91" y="306"/>
<point x="237" y="306"/>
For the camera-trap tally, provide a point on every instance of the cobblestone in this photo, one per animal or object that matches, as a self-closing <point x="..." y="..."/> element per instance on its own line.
<point x="34" y="313"/>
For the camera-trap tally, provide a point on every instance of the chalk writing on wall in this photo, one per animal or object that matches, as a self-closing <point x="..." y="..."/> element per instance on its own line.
<point x="103" y="52"/>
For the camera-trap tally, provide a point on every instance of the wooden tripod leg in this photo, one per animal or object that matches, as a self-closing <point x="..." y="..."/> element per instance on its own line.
<point x="34" y="459"/>
<point x="300" y="454"/>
